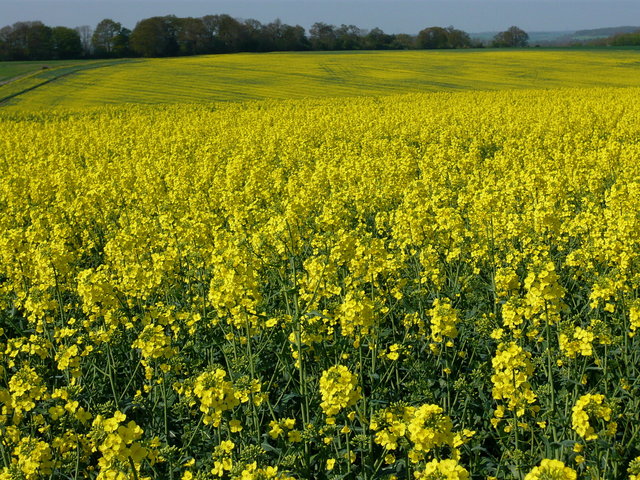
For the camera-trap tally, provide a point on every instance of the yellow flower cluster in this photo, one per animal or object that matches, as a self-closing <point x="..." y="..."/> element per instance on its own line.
<point x="580" y="342"/>
<point x="26" y="388"/>
<point x="154" y="343"/>
<point x="278" y="428"/>
<point x="429" y="427"/>
<point x="576" y="340"/>
<point x="634" y="317"/>
<point x="634" y="469"/>
<point x="512" y="369"/>
<point x="356" y="314"/>
<point x="590" y="408"/>
<point x="253" y="472"/>
<point x="339" y="389"/>
<point x="443" y="321"/>
<point x="222" y="458"/>
<point x="551" y="470"/>
<point x="33" y="460"/>
<point x="214" y="394"/>
<point x="423" y="430"/>
<point x="442" y="470"/>
<point x="120" y="447"/>
<point x="391" y="424"/>
<point x="506" y="282"/>
<point x="544" y="295"/>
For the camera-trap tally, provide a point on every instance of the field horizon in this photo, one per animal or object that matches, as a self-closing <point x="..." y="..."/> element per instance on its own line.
<point x="289" y="75"/>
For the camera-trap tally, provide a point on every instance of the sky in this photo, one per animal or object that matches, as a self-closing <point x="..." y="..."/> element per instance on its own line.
<point x="393" y="16"/>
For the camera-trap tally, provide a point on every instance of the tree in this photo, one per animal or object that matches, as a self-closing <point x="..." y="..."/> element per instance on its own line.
<point x="26" y="41"/>
<point x="513" y="37"/>
<point x="625" y="39"/>
<point x="279" y="36"/>
<point x="458" y="38"/>
<point x="403" y="41"/>
<point x="156" y="36"/>
<point x="39" y="41"/>
<point x="260" y="38"/>
<point x="5" y="52"/>
<point x="85" y="32"/>
<point x="433" y="37"/>
<point x="192" y="37"/>
<point x="226" y="33"/>
<point x="438" y="37"/>
<point x="376" y="39"/>
<point x="66" y="43"/>
<point x="122" y="43"/>
<point x="348" y="37"/>
<point x="323" y="36"/>
<point x="232" y="33"/>
<point x="105" y="37"/>
<point x="294" y="38"/>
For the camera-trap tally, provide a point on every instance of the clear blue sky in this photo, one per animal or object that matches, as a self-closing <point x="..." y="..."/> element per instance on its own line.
<point x="393" y="16"/>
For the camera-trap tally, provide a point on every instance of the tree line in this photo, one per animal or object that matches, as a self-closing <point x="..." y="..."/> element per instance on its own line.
<point x="631" y="39"/>
<point x="169" y="35"/>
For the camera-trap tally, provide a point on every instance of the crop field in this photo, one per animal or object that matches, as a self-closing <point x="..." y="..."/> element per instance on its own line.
<point x="436" y="286"/>
<point x="20" y="78"/>
<point x="11" y="70"/>
<point x="242" y="77"/>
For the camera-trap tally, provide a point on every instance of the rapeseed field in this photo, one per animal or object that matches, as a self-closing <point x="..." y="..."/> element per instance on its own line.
<point x="419" y="286"/>
<point x="243" y="77"/>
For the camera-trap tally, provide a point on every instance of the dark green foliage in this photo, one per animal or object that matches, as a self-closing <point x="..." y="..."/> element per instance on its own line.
<point x="513" y="37"/>
<point x="166" y="36"/>
<point x="66" y="43"/>
<point x="438" y="37"/>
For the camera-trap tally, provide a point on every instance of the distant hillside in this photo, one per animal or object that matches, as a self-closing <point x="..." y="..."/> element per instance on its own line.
<point x="603" y="32"/>
<point x="566" y="37"/>
<point x="596" y="36"/>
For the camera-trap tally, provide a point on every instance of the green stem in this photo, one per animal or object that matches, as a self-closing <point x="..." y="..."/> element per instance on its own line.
<point x="252" y="370"/>
<point x="110" y="363"/>
<point x="166" y="419"/>
<point x="550" y="372"/>
<point x="133" y="468"/>
<point x="5" y="458"/>
<point x="195" y="430"/>
<point x="298" y="338"/>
